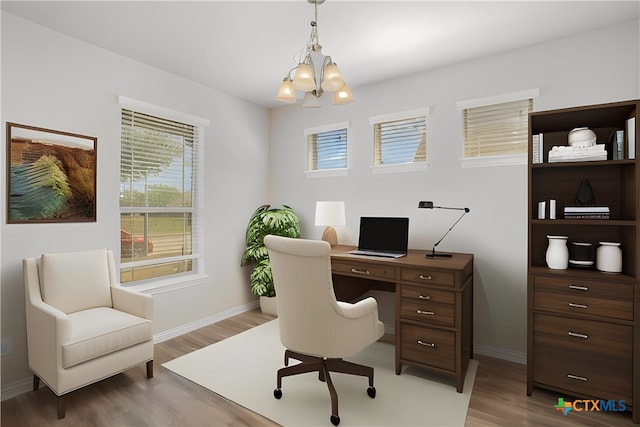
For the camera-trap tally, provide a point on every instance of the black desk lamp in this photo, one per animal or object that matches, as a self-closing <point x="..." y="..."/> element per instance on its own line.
<point x="429" y="205"/>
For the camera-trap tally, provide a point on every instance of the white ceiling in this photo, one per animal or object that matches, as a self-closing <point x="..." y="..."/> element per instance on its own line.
<point x="245" y="48"/>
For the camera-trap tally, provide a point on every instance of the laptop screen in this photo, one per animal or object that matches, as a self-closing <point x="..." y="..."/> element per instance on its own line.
<point x="386" y="234"/>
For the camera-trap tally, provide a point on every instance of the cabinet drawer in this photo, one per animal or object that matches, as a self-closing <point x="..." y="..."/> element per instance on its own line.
<point x="601" y="339"/>
<point x="428" y="346"/>
<point x="577" y="296"/>
<point x="426" y="294"/>
<point x="583" y="373"/>
<point x="426" y="311"/>
<point x="367" y="270"/>
<point x="426" y="276"/>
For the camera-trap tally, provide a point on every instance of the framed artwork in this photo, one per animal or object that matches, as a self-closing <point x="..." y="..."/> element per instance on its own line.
<point x="51" y="175"/>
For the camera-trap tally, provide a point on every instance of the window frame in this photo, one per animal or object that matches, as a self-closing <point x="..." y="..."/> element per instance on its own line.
<point x="322" y="173"/>
<point x="399" y="167"/>
<point x="197" y="275"/>
<point x="500" y="159"/>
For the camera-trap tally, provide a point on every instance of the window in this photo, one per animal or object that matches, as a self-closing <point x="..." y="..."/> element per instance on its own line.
<point x="160" y="233"/>
<point x="400" y="139"/>
<point x="497" y="127"/>
<point x="327" y="149"/>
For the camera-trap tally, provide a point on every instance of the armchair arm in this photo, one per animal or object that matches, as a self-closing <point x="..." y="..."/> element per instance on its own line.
<point x="360" y="309"/>
<point x="132" y="302"/>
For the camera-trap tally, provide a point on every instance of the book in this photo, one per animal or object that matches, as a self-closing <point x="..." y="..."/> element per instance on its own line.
<point x="535" y="140"/>
<point x="552" y="209"/>
<point x="542" y="207"/>
<point x="618" y="145"/>
<point x="586" y="209"/>
<point x="631" y="138"/>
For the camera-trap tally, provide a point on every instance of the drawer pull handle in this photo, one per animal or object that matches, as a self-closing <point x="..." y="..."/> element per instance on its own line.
<point x="578" y="335"/>
<point x="354" y="270"/>
<point x="577" y="377"/>
<point x="424" y="296"/>
<point x="577" y="305"/>
<point x="423" y="277"/>
<point x="427" y="344"/>
<point x="578" y="288"/>
<point x="428" y="313"/>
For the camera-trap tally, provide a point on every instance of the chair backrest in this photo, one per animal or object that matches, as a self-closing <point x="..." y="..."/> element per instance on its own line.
<point x="307" y="309"/>
<point x="75" y="281"/>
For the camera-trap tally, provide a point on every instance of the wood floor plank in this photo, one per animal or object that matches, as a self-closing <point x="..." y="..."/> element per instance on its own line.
<point x="498" y="400"/>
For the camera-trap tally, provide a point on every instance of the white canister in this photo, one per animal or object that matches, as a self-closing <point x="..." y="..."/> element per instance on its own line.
<point x="557" y="255"/>
<point x="609" y="257"/>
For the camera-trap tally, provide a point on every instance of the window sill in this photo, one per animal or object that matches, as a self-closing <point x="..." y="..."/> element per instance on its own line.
<point x="399" y="168"/>
<point x="488" y="161"/>
<point x="326" y="173"/>
<point x="156" y="286"/>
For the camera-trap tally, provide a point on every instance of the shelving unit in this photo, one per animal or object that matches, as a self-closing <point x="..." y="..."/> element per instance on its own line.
<point x="583" y="324"/>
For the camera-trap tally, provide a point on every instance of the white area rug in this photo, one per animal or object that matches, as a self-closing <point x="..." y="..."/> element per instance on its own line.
<point x="243" y="369"/>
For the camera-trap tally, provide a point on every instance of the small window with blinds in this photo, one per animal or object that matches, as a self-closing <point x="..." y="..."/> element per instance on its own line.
<point x="400" y="140"/>
<point x="327" y="147"/>
<point x="158" y="181"/>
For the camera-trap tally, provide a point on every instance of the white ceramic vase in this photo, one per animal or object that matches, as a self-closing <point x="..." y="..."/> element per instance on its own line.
<point x="557" y="255"/>
<point x="609" y="257"/>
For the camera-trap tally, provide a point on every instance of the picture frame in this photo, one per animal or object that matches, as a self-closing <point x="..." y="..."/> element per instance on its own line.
<point x="51" y="175"/>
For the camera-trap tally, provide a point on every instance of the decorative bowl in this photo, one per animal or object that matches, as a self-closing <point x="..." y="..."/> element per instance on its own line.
<point x="582" y="137"/>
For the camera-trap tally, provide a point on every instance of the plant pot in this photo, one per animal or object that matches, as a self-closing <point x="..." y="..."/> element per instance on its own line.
<point x="268" y="305"/>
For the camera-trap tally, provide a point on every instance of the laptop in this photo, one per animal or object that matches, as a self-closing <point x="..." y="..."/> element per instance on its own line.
<point x="383" y="236"/>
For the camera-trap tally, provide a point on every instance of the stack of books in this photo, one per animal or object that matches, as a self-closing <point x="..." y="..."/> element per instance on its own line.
<point x="577" y="154"/>
<point x="586" y="212"/>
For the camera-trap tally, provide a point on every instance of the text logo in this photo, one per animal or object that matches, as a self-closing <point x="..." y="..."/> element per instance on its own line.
<point x="590" y="405"/>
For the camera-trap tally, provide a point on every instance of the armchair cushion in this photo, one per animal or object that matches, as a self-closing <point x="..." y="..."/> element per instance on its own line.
<point x="99" y="331"/>
<point x="75" y="281"/>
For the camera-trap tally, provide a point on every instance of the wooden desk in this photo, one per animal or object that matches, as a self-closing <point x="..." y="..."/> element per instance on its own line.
<point x="434" y="304"/>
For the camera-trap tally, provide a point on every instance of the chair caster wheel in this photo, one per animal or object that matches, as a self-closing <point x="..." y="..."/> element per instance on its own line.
<point x="277" y="393"/>
<point x="371" y="391"/>
<point x="335" y="420"/>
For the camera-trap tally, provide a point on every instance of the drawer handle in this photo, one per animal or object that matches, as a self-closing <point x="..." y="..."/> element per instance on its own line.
<point x="427" y="344"/>
<point x="577" y="305"/>
<point x="578" y="288"/>
<point x="354" y="270"/>
<point x="578" y="335"/>
<point x="423" y="277"/>
<point x="424" y="296"/>
<point x="428" y="313"/>
<point x="577" y="377"/>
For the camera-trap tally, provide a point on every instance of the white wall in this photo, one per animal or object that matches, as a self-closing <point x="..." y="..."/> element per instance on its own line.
<point x="600" y="66"/>
<point x="53" y="81"/>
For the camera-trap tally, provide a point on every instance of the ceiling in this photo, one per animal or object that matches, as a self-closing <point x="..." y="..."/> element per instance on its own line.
<point x="245" y="48"/>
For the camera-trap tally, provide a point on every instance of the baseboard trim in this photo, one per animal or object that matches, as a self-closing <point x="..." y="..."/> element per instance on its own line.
<point x="500" y="353"/>
<point x="25" y="385"/>
<point x="192" y="326"/>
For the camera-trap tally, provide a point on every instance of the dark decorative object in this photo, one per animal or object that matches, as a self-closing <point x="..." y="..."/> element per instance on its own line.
<point x="51" y="175"/>
<point x="584" y="196"/>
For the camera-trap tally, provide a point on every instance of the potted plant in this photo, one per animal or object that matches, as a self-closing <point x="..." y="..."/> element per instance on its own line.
<point x="264" y="221"/>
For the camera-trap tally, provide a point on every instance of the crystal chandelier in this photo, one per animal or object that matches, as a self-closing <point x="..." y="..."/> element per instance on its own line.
<point x="312" y="63"/>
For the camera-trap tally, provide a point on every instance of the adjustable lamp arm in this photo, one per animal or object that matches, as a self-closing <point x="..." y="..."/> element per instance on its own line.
<point x="429" y="205"/>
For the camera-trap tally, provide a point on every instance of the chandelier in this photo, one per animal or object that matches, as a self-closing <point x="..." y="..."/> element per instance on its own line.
<point x="312" y="64"/>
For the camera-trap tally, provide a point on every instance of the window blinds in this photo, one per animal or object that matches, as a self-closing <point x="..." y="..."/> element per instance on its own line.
<point x="400" y="141"/>
<point x="327" y="150"/>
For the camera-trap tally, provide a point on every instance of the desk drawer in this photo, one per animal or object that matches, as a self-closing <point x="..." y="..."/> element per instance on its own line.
<point x="426" y="294"/>
<point x="577" y="296"/>
<point x="366" y="270"/>
<point x="427" y="346"/>
<point x="426" y="311"/>
<point x="428" y="277"/>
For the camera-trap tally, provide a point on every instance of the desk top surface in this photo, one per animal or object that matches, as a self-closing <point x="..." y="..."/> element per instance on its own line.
<point x="415" y="257"/>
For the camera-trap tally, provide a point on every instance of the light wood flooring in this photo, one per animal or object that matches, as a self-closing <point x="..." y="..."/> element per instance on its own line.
<point x="129" y="399"/>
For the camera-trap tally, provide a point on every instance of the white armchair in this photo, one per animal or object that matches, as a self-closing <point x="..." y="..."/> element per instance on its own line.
<point x="82" y="326"/>
<point x="316" y="329"/>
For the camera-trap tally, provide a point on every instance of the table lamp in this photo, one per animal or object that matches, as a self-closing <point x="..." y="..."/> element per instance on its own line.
<point x="329" y="214"/>
<point x="429" y="205"/>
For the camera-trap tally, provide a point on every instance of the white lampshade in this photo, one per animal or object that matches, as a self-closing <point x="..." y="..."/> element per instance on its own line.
<point x="286" y="93"/>
<point x="304" y="80"/>
<point x="331" y="78"/>
<point x="330" y="213"/>
<point x="343" y="96"/>
<point x="310" y="101"/>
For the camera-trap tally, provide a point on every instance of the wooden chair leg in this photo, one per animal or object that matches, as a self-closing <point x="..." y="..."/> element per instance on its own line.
<point x="332" y="392"/>
<point x="62" y="406"/>
<point x="150" y="369"/>
<point x="36" y="382"/>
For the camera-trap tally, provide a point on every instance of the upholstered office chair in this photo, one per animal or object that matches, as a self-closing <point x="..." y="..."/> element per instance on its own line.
<point x="82" y="326"/>
<point x="316" y="329"/>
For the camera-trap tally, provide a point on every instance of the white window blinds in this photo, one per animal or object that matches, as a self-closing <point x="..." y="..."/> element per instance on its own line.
<point x="159" y="169"/>
<point x="400" y="141"/>
<point x="327" y="147"/>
